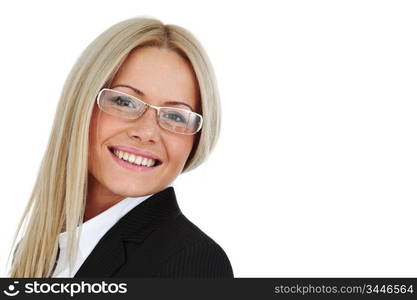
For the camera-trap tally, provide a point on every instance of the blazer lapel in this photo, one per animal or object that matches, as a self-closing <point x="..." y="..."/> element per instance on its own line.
<point x="136" y="225"/>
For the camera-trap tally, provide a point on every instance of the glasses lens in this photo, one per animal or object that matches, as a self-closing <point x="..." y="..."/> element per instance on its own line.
<point x="180" y="120"/>
<point x="119" y="104"/>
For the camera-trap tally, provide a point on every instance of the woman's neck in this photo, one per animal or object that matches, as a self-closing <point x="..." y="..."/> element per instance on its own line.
<point x="99" y="199"/>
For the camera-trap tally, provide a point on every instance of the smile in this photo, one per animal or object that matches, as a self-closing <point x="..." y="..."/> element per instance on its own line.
<point x="134" y="161"/>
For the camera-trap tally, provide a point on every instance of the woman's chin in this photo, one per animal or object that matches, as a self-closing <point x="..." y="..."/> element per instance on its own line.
<point x="132" y="189"/>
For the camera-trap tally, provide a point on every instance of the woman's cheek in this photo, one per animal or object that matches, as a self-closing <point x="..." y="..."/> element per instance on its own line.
<point x="108" y="128"/>
<point x="180" y="148"/>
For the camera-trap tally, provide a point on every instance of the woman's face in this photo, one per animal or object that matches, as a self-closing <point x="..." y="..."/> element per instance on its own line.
<point x="162" y="77"/>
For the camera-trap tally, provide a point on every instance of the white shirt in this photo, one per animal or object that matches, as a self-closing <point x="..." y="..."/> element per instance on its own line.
<point x="91" y="233"/>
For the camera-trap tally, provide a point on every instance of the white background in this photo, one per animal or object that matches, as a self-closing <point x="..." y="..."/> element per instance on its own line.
<point x="315" y="171"/>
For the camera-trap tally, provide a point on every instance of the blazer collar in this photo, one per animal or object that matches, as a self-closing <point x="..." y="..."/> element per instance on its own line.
<point x="136" y="225"/>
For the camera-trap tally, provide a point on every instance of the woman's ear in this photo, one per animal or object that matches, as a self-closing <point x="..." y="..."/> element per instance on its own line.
<point x="196" y="141"/>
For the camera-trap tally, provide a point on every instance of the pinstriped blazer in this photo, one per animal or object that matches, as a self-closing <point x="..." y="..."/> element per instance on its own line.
<point x="155" y="239"/>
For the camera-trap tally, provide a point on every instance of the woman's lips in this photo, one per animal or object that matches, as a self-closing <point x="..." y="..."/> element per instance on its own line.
<point x="135" y="151"/>
<point x="132" y="166"/>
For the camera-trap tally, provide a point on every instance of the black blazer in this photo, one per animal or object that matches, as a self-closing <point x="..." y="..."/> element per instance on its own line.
<point x="155" y="239"/>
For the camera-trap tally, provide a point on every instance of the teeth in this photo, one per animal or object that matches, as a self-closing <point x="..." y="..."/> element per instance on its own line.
<point x="135" y="159"/>
<point x="131" y="158"/>
<point x="138" y="160"/>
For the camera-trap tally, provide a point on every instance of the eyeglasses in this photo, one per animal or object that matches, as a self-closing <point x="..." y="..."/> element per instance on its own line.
<point x="125" y="106"/>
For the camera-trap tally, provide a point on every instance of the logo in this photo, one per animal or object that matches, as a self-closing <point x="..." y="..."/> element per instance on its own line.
<point x="11" y="291"/>
<point x="70" y="288"/>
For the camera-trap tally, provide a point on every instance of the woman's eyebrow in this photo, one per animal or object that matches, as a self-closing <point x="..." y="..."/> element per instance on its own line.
<point x="137" y="91"/>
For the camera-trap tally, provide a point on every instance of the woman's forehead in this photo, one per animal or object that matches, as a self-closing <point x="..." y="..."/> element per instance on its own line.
<point x="153" y="73"/>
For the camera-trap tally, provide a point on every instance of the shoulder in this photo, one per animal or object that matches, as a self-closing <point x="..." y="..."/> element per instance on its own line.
<point x="192" y="253"/>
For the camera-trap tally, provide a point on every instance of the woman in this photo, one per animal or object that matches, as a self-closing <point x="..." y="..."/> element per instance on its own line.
<point x="129" y="121"/>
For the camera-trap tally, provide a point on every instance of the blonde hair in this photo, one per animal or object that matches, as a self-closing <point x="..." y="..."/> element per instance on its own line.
<point x="59" y="195"/>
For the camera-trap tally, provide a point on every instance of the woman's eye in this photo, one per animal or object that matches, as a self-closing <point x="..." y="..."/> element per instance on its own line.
<point x="175" y="117"/>
<point x="123" y="101"/>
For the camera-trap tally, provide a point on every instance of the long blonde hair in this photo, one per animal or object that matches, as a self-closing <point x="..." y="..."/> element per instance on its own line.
<point x="58" y="198"/>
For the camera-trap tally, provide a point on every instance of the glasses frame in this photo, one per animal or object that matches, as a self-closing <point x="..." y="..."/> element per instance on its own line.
<point x="147" y="105"/>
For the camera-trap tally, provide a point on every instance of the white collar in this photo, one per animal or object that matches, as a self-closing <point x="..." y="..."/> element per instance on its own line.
<point x="91" y="233"/>
<point x="94" y="229"/>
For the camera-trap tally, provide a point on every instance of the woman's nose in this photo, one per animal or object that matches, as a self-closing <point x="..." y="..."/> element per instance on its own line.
<point x="146" y="127"/>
